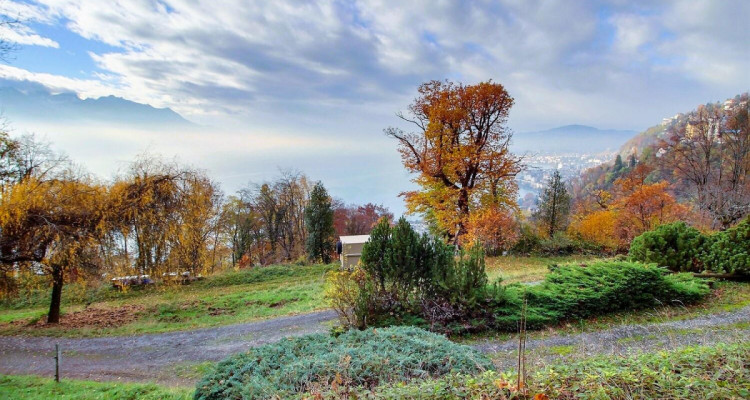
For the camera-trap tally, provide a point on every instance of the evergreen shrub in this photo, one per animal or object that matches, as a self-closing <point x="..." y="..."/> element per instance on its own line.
<point x="676" y="246"/>
<point x="365" y="359"/>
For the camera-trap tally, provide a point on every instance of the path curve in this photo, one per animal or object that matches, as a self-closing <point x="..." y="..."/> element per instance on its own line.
<point x="151" y="357"/>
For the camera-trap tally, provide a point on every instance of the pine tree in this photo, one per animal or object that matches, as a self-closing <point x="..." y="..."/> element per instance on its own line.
<point x="554" y="205"/>
<point x="319" y="224"/>
<point x="618" y="164"/>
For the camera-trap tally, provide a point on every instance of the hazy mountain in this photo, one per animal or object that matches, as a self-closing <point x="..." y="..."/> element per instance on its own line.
<point x="22" y="101"/>
<point x="571" y="139"/>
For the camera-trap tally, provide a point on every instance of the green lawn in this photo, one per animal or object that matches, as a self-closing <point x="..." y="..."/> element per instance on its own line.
<point x="33" y="388"/>
<point x="222" y="299"/>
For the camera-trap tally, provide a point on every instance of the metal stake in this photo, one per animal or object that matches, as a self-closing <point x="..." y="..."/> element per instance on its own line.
<point x="57" y="362"/>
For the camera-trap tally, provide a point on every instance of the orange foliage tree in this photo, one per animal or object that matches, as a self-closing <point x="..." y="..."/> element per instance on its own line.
<point x="459" y="151"/>
<point x="496" y="228"/>
<point x="612" y="220"/>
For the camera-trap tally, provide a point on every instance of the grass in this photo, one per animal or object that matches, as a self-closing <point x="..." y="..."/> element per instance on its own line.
<point x="528" y="269"/>
<point x="725" y="297"/>
<point x="718" y="372"/>
<point x="227" y="298"/>
<point x="33" y="387"/>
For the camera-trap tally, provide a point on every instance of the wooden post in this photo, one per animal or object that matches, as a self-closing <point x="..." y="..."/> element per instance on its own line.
<point x="57" y="362"/>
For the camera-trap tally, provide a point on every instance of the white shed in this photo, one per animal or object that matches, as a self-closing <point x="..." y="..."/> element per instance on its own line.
<point x="351" y="249"/>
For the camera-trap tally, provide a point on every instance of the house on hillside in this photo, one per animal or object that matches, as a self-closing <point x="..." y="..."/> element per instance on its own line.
<point x="349" y="249"/>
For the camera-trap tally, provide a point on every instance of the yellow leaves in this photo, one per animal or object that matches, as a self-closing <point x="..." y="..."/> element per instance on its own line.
<point x="541" y="396"/>
<point x="501" y="384"/>
<point x="460" y="152"/>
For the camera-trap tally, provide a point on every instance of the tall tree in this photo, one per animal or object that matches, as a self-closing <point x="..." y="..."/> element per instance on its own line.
<point x="51" y="224"/>
<point x="459" y="150"/>
<point x="554" y="205"/>
<point x="319" y="224"/>
<point x="709" y="154"/>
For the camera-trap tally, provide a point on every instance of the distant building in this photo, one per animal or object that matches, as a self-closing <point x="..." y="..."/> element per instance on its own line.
<point x="351" y="250"/>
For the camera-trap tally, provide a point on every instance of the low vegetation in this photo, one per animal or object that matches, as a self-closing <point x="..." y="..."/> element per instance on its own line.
<point x="717" y="372"/>
<point x="226" y="298"/>
<point x="406" y="279"/>
<point x="38" y="388"/>
<point x="362" y="359"/>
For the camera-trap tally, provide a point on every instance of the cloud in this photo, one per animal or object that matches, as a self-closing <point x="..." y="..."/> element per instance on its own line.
<point x="254" y="61"/>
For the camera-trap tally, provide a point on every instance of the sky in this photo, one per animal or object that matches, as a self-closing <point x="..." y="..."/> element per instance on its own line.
<point x="311" y="85"/>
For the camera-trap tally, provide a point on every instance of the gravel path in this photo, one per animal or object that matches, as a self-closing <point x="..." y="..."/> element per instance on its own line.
<point x="625" y="339"/>
<point x="154" y="357"/>
<point x="167" y="358"/>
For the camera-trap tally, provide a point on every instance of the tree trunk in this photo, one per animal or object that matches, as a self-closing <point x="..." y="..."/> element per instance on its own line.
<point x="463" y="207"/>
<point x="54" y="306"/>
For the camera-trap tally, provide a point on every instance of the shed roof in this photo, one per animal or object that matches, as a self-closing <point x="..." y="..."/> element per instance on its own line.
<point x="354" y="239"/>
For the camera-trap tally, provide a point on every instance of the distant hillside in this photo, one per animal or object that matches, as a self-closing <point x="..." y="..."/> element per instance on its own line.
<point x="21" y="101"/>
<point x="571" y="139"/>
<point x="645" y="147"/>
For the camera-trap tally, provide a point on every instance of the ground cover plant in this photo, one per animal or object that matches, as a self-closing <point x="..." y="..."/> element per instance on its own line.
<point x="356" y="358"/>
<point x="710" y="372"/>
<point x="231" y="297"/>
<point x="39" y="388"/>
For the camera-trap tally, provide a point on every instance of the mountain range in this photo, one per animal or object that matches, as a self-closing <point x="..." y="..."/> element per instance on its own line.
<point x="29" y="102"/>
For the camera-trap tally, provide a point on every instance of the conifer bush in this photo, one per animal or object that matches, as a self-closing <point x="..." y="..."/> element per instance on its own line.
<point x="729" y="251"/>
<point x="356" y="358"/>
<point x="676" y="246"/>
<point x="682" y="248"/>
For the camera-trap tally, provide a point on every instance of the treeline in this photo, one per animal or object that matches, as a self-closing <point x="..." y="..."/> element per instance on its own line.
<point x="157" y="218"/>
<point x="702" y="158"/>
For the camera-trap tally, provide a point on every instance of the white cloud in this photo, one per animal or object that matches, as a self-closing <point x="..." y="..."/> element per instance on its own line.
<point x="253" y="61"/>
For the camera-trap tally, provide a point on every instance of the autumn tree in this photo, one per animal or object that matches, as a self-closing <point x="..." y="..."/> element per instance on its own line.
<point x="709" y="154"/>
<point x="459" y="150"/>
<point x="319" y="224"/>
<point x="554" y="205"/>
<point x="356" y="219"/>
<point x="167" y="215"/>
<point x="495" y="227"/>
<point x="51" y="224"/>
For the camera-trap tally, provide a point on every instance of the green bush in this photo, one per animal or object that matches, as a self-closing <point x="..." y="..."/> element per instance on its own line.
<point x="683" y="248"/>
<point x="729" y="251"/>
<point x="575" y="292"/>
<point x="676" y="246"/>
<point x="416" y="278"/>
<point x="356" y="358"/>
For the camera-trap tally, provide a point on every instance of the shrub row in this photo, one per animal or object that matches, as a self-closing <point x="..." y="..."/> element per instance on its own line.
<point x="716" y="372"/>
<point x="680" y="247"/>
<point x="362" y="359"/>
<point x="456" y="299"/>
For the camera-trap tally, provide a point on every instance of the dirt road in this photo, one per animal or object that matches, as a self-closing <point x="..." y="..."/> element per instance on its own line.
<point x="155" y="357"/>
